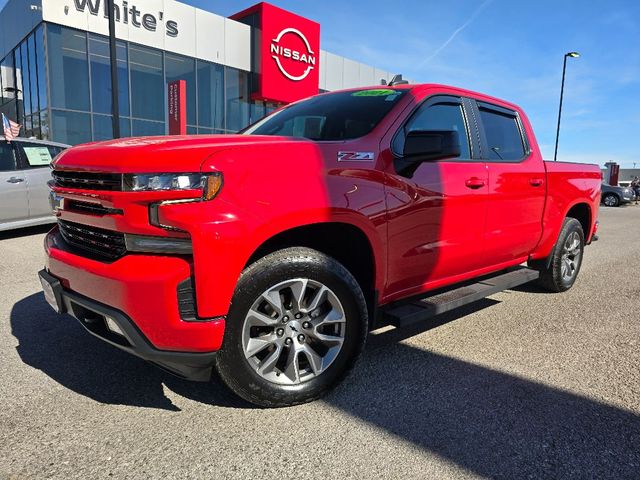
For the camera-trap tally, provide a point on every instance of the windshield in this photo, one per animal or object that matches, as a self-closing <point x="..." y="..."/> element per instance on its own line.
<point x="333" y="116"/>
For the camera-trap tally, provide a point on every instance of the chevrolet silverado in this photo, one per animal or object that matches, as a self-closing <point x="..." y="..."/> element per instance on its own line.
<point x="270" y="254"/>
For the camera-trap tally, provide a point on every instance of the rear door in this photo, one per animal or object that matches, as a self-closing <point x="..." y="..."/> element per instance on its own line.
<point x="35" y="158"/>
<point x="14" y="203"/>
<point x="517" y="189"/>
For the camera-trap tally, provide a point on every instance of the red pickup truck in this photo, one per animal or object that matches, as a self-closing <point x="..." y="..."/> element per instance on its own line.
<point x="270" y="254"/>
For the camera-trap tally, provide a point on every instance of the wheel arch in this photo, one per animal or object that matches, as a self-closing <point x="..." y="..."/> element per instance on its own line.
<point x="345" y="242"/>
<point x="581" y="211"/>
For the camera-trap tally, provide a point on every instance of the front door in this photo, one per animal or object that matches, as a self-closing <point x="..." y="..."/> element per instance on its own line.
<point x="436" y="214"/>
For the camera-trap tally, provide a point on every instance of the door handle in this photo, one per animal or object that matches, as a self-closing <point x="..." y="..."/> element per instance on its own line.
<point x="474" y="183"/>
<point x="536" y="182"/>
<point x="15" y="180"/>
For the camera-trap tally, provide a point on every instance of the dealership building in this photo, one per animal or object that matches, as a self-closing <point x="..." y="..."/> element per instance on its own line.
<point x="55" y="69"/>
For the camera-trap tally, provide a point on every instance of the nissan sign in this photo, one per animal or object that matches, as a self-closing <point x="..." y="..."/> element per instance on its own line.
<point x="284" y="55"/>
<point x="289" y="53"/>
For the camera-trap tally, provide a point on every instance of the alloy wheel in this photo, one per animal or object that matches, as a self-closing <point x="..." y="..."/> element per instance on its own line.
<point x="610" y="201"/>
<point x="293" y="331"/>
<point x="571" y="255"/>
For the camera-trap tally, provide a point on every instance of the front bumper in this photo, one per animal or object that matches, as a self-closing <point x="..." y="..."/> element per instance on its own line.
<point x="93" y="316"/>
<point x="143" y="287"/>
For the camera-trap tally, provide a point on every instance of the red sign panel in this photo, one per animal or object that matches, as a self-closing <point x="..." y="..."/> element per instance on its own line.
<point x="614" y="173"/>
<point x="177" y="92"/>
<point x="289" y="54"/>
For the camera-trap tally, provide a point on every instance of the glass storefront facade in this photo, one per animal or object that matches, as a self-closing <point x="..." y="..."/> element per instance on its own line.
<point x="57" y="84"/>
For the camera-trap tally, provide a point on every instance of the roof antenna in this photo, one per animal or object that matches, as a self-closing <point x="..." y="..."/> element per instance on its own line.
<point x="398" y="80"/>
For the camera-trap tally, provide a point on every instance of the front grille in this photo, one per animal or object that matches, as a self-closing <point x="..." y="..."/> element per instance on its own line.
<point x="92" y="208"/>
<point x="97" y="242"/>
<point x="87" y="180"/>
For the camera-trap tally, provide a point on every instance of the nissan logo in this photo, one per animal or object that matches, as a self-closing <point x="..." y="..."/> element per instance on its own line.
<point x="279" y="52"/>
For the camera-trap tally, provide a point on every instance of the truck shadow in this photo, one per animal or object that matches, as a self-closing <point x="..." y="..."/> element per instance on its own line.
<point x="62" y="349"/>
<point x="492" y="423"/>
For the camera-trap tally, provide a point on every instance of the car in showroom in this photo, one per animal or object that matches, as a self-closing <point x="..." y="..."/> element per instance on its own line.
<point x="24" y="173"/>
<point x="614" y="196"/>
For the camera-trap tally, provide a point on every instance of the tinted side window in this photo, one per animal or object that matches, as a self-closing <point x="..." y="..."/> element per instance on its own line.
<point x="54" y="150"/>
<point x="7" y="158"/>
<point x="438" y="116"/>
<point x="503" y="135"/>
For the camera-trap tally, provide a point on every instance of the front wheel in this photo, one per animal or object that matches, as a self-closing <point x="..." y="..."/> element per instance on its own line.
<point x="566" y="258"/>
<point x="611" y="200"/>
<point x="297" y="323"/>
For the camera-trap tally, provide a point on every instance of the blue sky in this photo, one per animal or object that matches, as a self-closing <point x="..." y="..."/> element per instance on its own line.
<point x="509" y="49"/>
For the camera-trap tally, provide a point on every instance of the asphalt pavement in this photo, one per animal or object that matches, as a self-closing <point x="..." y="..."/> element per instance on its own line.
<point x="525" y="384"/>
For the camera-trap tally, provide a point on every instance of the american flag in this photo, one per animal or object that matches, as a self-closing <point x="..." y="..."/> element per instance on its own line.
<point x="11" y="129"/>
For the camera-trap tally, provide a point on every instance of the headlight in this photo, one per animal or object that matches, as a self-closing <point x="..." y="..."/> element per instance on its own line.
<point x="209" y="183"/>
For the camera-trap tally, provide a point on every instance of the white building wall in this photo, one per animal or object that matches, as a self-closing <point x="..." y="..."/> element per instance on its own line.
<point x="237" y="44"/>
<point x="210" y="38"/>
<point x="202" y="34"/>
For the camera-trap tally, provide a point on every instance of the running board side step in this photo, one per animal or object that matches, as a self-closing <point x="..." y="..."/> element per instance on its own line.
<point x="405" y="314"/>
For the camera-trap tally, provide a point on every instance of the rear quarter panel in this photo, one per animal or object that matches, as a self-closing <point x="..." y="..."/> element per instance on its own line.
<point x="568" y="184"/>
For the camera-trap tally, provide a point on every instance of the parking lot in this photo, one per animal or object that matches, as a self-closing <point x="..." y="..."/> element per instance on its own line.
<point x="525" y="384"/>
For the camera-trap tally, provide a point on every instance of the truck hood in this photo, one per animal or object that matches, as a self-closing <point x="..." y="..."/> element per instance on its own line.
<point x="161" y="154"/>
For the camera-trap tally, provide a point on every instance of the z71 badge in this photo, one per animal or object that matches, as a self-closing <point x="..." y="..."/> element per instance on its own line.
<point x="355" y="156"/>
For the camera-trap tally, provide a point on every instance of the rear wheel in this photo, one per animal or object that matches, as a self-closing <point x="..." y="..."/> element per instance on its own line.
<point x="297" y="323"/>
<point x="611" y="200"/>
<point x="566" y="258"/>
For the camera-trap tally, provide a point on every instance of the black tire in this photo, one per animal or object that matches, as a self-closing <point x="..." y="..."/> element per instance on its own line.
<point x="611" y="200"/>
<point x="235" y="369"/>
<point x="552" y="278"/>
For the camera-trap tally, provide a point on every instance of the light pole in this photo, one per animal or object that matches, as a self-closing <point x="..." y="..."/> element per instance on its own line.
<point x="115" y="106"/>
<point x="564" y="68"/>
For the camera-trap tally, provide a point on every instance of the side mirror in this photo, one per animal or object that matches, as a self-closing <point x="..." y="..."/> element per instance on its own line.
<point x="423" y="145"/>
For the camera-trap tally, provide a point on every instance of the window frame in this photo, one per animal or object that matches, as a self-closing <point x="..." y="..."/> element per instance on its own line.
<point x="484" y="145"/>
<point x="467" y="116"/>
<point x="21" y="156"/>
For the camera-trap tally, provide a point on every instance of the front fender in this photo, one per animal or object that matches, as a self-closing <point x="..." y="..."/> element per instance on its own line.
<point x="262" y="199"/>
<point x="223" y="244"/>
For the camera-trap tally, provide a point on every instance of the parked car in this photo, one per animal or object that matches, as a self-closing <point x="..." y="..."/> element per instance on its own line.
<point x="269" y="255"/>
<point x="24" y="173"/>
<point x="614" y="196"/>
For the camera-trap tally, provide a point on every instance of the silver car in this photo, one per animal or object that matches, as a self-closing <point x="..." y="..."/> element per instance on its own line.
<point x="24" y="173"/>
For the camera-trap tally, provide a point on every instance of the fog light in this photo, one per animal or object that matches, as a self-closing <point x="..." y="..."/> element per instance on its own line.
<point x="113" y="326"/>
<point x="149" y="244"/>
